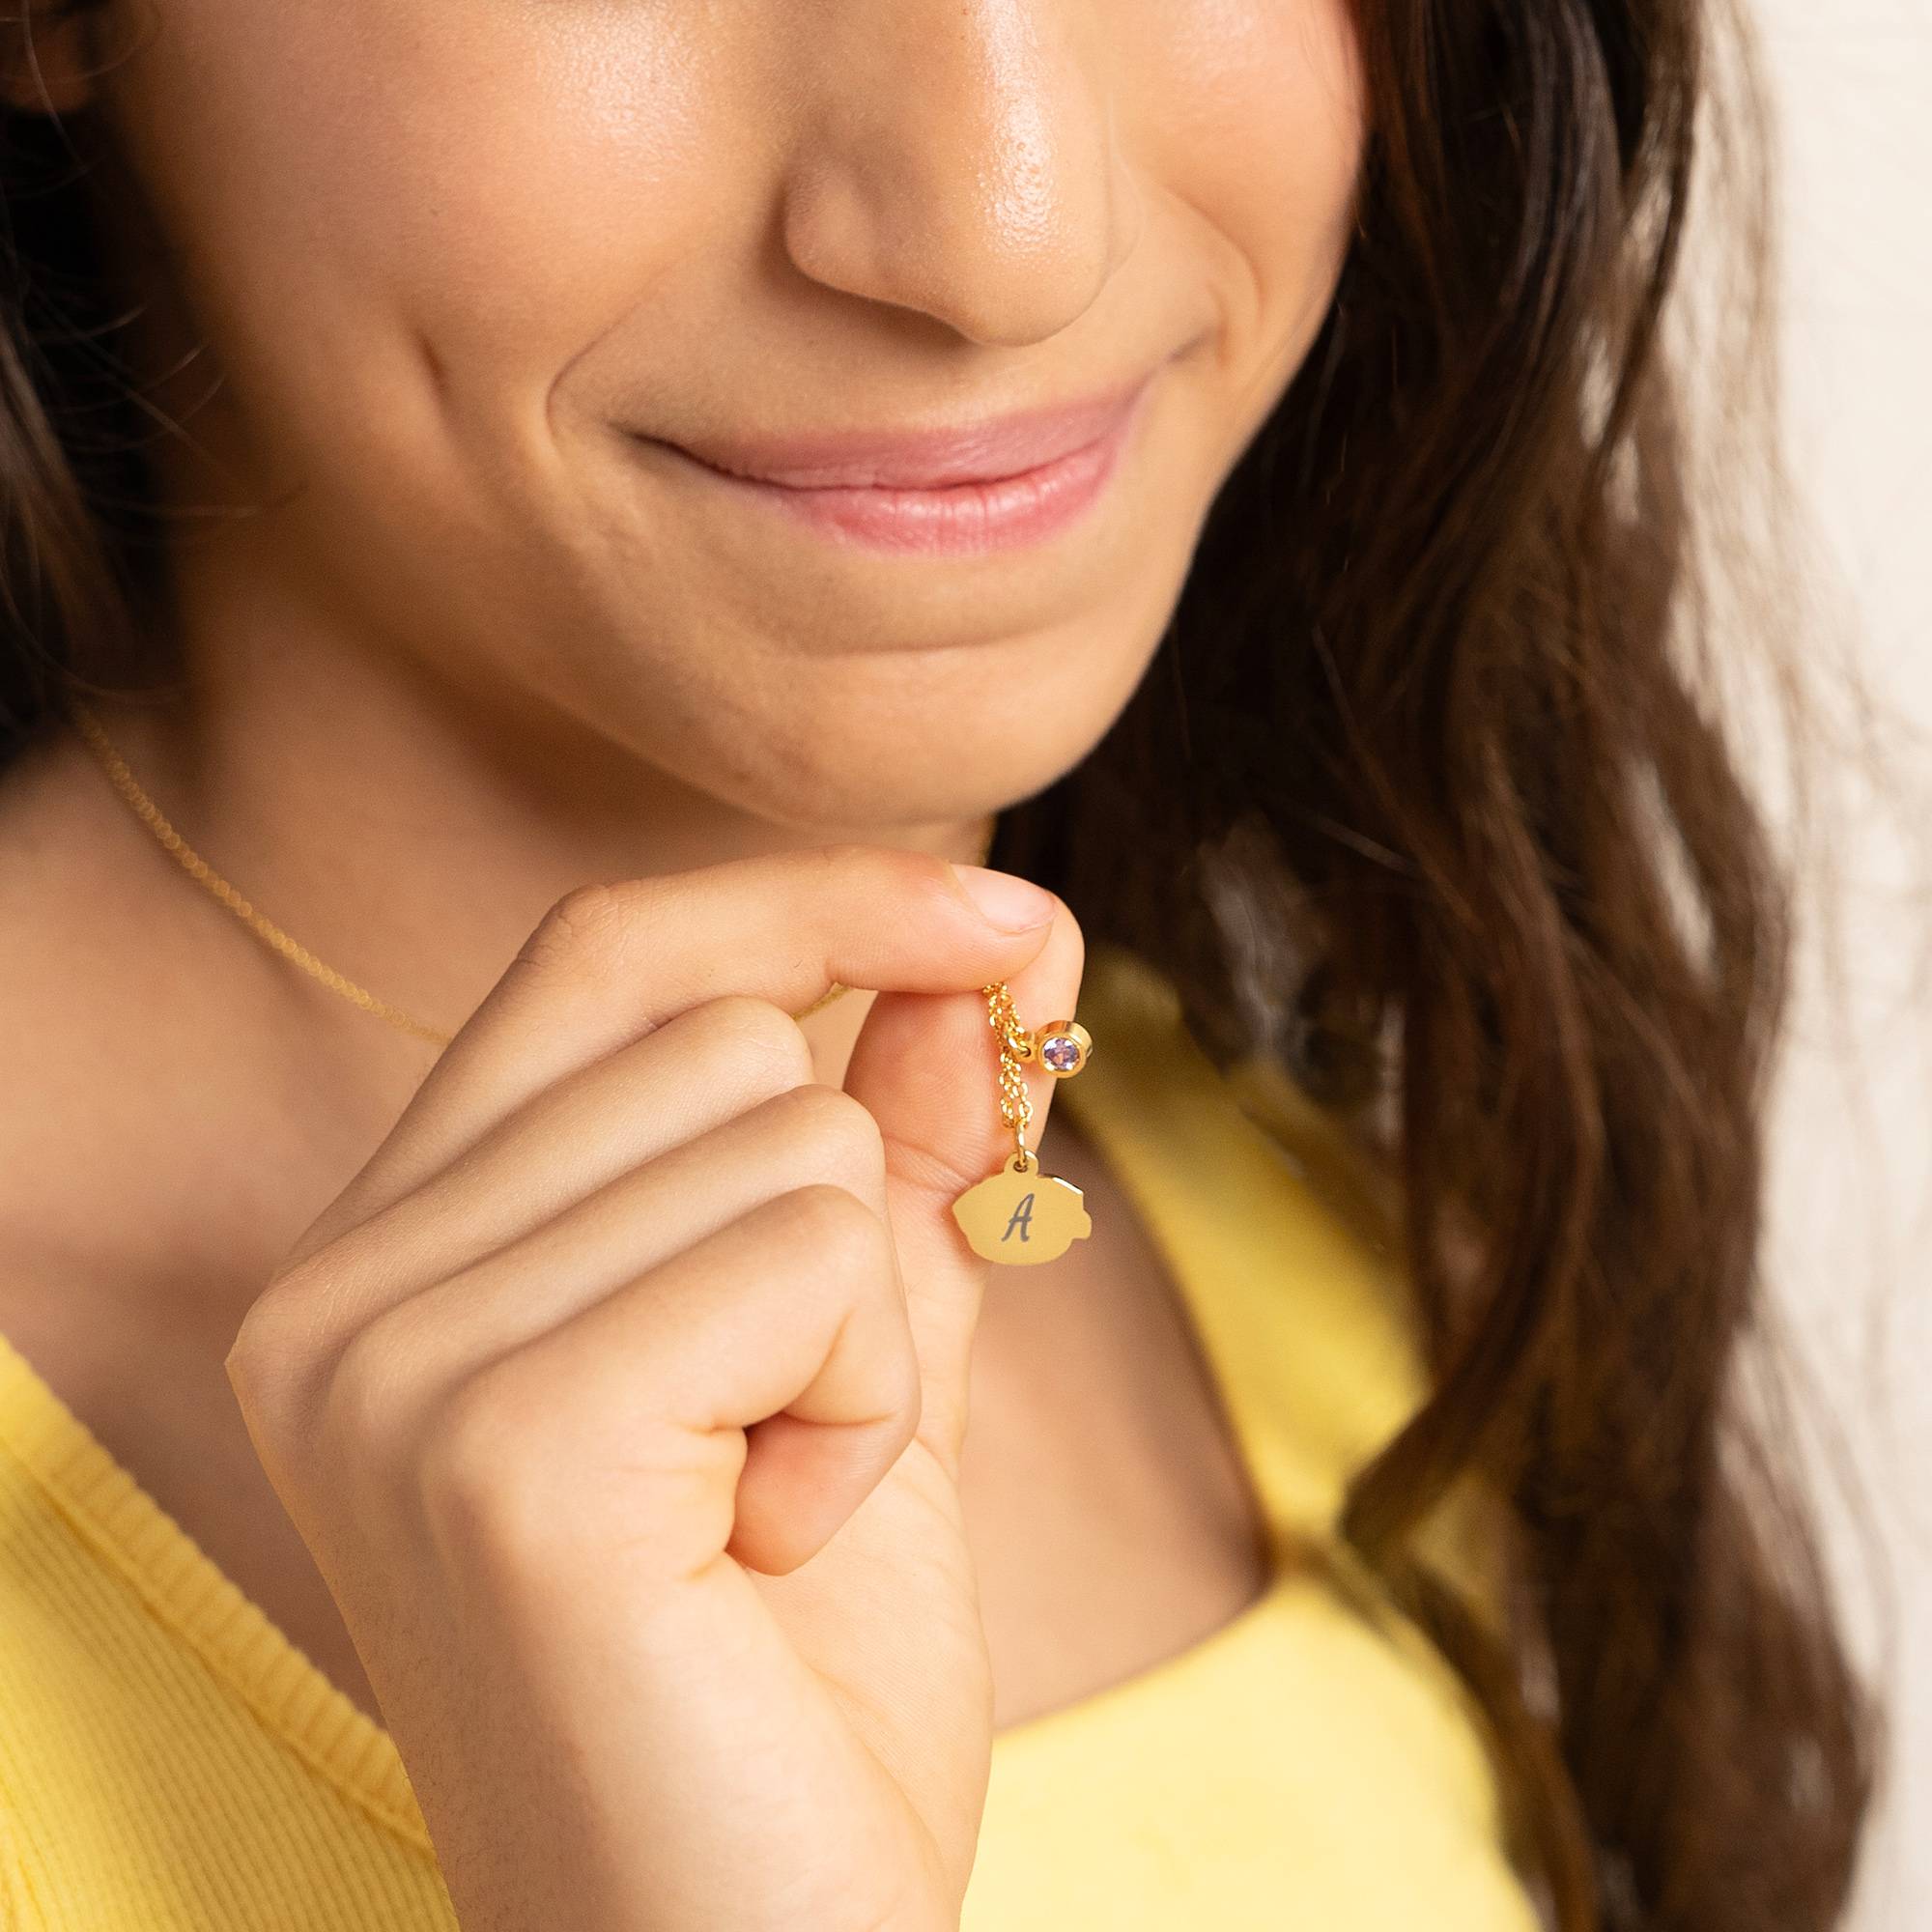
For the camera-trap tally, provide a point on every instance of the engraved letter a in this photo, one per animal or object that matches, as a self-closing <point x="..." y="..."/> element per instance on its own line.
<point x="1020" y="1219"/>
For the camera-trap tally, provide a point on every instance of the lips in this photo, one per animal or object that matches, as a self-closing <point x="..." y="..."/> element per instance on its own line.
<point x="989" y="451"/>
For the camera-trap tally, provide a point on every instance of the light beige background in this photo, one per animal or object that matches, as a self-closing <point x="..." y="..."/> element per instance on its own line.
<point x="1852" y="1225"/>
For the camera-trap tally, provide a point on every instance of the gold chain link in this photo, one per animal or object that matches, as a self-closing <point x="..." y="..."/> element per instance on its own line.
<point x="205" y="875"/>
<point x="1016" y="1048"/>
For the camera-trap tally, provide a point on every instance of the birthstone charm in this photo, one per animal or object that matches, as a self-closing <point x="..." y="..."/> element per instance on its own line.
<point x="1063" y="1047"/>
<point x="1022" y="1215"/>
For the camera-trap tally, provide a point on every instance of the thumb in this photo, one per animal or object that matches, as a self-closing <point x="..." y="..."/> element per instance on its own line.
<point x="926" y="1068"/>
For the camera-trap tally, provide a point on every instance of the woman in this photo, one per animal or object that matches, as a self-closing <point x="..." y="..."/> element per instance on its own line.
<point x="588" y="513"/>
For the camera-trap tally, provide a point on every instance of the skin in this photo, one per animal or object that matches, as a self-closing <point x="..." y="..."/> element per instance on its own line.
<point x="641" y="1310"/>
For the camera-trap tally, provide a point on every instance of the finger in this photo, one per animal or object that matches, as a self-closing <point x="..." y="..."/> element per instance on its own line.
<point x="701" y="1068"/>
<point x="806" y="1136"/>
<point x="609" y="963"/>
<point x="793" y="1309"/>
<point x="926" y="1070"/>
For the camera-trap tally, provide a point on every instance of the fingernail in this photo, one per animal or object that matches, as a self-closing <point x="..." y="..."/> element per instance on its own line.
<point x="1013" y="904"/>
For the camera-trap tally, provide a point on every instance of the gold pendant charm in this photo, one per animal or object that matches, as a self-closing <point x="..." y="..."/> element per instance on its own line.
<point x="1022" y="1215"/>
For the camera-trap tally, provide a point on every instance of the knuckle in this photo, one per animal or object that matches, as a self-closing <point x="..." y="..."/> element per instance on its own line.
<point x="266" y="1359"/>
<point x="759" y="1037"/>
<point x="831" y="1223"/>
<point x="584" y="929"/>
<point x="360" y="1404"/>
<point x="832" y="1128"/>
<point x="476" y="1462"/>
<point x="253" y="1350"/>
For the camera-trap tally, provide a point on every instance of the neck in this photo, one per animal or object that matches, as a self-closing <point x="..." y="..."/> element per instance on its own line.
<point x="407" y="832"/>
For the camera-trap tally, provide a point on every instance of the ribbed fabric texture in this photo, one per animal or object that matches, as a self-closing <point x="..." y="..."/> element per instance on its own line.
<point x="170" y="1762"/>
<point x="167" y="1757"/>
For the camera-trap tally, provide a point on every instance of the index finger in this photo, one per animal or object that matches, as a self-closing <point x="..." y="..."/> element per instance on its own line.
<point x="609" y="963"/>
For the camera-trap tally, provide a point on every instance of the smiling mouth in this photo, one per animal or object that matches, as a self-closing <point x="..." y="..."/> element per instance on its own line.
<point x="944" y="492"/>
<point x="989" y="449"/>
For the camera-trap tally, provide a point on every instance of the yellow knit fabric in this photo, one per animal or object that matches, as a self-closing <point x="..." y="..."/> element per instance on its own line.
<point x="170" y="1762"/>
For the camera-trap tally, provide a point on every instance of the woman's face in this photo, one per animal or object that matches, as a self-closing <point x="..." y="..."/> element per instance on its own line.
<point x="477" y="275"/>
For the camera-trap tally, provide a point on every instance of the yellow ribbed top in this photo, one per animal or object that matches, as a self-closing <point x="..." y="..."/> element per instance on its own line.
<point x="171" y="1762"/>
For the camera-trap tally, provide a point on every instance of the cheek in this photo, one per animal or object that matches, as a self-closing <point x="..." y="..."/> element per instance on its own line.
<point x="380" y="196"/>
<point x="1255" y="112"/>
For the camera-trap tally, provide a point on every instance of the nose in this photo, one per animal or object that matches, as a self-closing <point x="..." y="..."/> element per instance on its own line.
<point x="958" y="158"/>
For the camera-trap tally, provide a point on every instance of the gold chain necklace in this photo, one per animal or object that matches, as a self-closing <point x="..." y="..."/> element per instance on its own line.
<point x="204" y="874"/>
<point x="1017" y="1213"/>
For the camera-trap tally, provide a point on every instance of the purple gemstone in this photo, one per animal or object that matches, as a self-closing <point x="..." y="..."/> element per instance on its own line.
<point x="1060" y="1052"/>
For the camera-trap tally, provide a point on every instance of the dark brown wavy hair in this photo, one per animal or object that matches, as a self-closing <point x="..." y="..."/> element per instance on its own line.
<point x="1429" y="791"/>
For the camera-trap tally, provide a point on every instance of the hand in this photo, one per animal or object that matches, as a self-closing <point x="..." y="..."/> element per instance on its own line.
<point x="621" y="1396"/>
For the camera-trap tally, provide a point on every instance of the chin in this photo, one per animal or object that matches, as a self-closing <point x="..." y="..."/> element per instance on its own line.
<point x="932" y="767"/>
